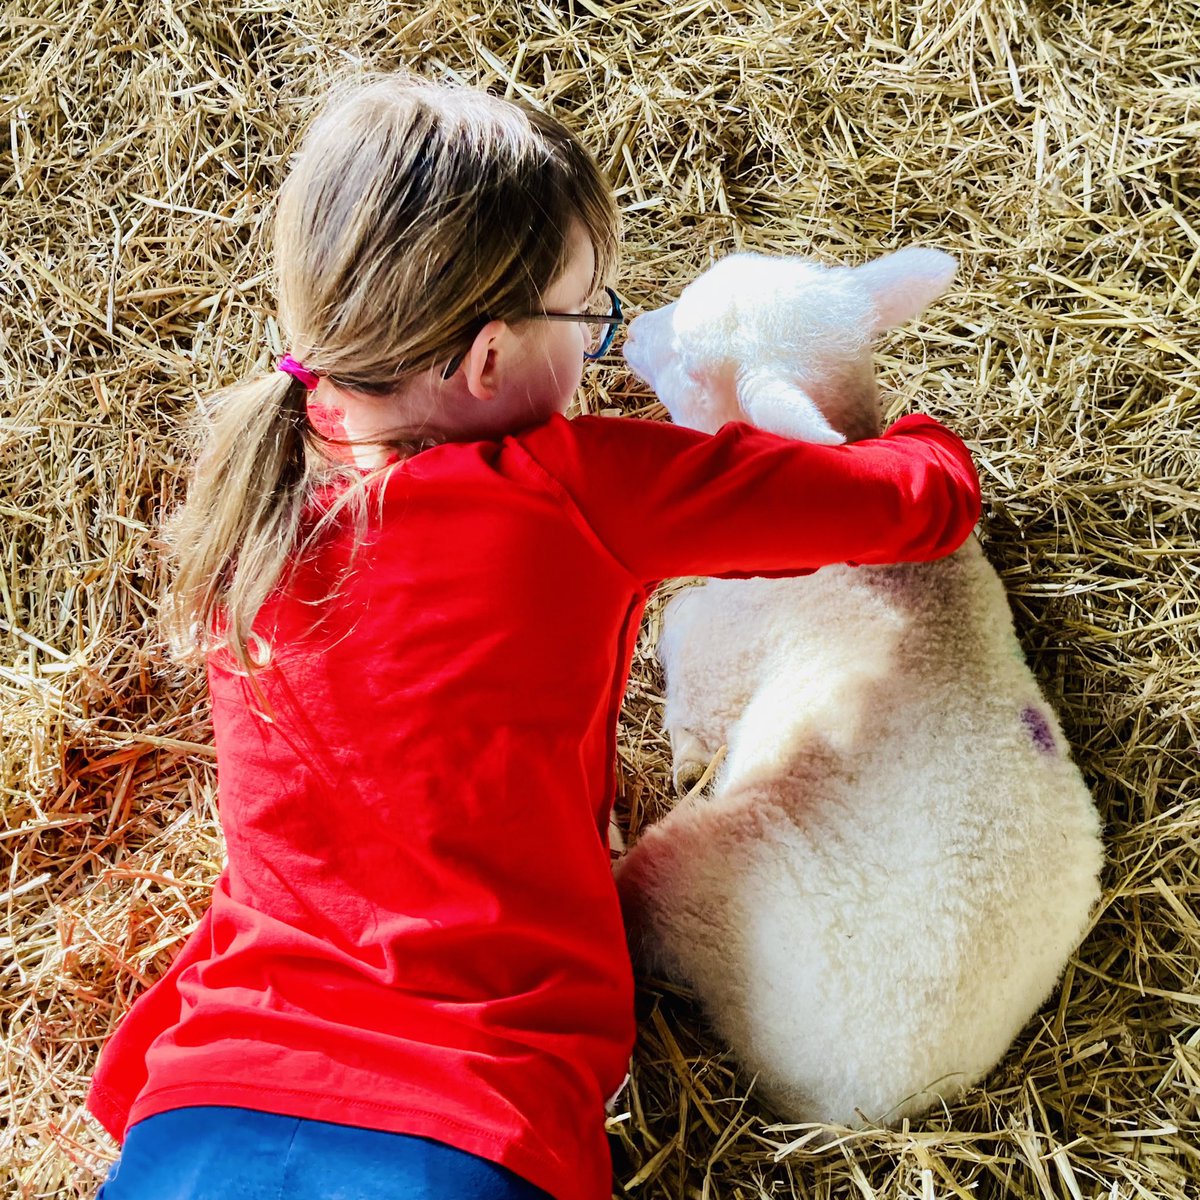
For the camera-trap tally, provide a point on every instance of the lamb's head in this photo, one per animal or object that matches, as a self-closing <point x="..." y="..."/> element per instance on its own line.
<point x="784" y="343"/>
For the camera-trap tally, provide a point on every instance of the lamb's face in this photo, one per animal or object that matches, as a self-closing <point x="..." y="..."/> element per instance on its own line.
<point x="659" y="358"/>
<point x="782" y="342"/>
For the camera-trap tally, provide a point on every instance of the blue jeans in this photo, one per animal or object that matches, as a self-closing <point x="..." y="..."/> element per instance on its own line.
<point x="213" y="1153"/>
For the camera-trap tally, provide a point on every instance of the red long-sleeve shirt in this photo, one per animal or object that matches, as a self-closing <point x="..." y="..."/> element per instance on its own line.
<point x="417" y="928"/>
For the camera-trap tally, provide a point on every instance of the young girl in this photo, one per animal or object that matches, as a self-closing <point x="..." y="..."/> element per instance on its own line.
<point x="412" y="980"/>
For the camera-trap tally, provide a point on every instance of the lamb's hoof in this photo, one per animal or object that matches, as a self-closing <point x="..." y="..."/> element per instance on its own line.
<point x="688" y="774"/>
<point x="616" y="839"/>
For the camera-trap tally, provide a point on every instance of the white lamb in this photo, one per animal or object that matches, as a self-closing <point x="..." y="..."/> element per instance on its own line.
<point x="898" y="855"/>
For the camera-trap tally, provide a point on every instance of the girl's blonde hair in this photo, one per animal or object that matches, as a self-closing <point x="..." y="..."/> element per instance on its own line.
<point x="414" y="212"/>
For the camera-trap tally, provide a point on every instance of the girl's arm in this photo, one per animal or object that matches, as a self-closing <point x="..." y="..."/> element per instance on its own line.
<point x="669" y="501"/>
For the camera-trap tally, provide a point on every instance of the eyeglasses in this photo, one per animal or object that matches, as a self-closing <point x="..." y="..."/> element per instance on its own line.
<point x="600" y="327"/>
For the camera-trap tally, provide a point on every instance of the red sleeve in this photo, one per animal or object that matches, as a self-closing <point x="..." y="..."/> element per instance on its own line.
<point x="668" y="501"/>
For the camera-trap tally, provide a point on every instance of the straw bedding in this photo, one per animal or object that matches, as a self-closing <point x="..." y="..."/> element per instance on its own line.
<point x="1052" y="147"/>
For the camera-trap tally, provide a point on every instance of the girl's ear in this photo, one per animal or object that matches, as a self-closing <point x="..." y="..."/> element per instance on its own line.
<point x="479" y="366"/>
<point x="904" y="283"/>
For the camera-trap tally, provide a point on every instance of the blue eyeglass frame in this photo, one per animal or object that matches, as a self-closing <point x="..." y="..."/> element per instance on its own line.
<point x="613" y="320"/>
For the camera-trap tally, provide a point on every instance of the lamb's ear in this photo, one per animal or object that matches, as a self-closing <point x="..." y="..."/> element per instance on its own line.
<point x="778" y="405"/>
<point x="905" y="283"/>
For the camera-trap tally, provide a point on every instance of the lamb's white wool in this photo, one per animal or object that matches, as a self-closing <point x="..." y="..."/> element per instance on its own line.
<point x="781" y="342"/>
<point x="897" y="855"/>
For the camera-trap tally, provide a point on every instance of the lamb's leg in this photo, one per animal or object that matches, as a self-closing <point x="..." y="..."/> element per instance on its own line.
<point x="672" y="884"/>
<point x="710" y="660"/>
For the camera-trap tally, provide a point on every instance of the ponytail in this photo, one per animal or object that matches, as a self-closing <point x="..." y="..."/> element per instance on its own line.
<point x="239" y="525"/>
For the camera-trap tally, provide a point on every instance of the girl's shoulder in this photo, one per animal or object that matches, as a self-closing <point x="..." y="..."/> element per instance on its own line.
<point x="634" y="438"/>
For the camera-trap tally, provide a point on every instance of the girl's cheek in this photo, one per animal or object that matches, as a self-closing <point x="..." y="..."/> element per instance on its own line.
<point x="573" y="347"/>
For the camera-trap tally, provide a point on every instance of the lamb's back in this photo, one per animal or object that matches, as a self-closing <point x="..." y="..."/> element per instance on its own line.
<point x="900" y="823"/>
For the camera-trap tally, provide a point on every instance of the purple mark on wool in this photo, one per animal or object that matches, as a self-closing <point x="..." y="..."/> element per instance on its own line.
<point x="1039" y="729"/>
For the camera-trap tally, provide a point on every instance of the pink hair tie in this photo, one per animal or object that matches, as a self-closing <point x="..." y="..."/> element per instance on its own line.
<point x="297" y="370"/>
